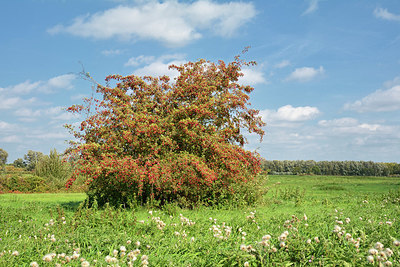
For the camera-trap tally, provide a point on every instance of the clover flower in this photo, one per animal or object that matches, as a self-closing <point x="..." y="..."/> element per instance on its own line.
<point x="85" y="264"/>
<point x="370" y="259"/>
<point x="34" y="264"/>
<point x="47" y="258"/>
<point x="246" y="264"/>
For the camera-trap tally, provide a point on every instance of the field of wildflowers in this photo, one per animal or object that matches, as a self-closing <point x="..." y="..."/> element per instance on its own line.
<point x="304" y="221"/>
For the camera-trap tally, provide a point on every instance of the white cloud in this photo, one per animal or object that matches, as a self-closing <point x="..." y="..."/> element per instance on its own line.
<point x="352" y="127"/>
<point x="290" y="114"/>
<point x="312" y="7"/>
<point x="11" y="139"/>
<point x="252" y="77"/>
<point x="171" y="22"/>
<point x="380" y="100"/>
<point x="159" y="66"/>
<point x="383" y="13"/>
<point x="12" y="102"/>
<point x="5" y="126"/>
<point x="135" y="61"/>
<point x="305" y="74"/>
<point x="282" y="64"/>
<point x="49" y="86"/>
<point x="111" y="52"/>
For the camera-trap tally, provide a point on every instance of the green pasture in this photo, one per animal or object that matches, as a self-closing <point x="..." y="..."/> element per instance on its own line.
<point x="309" y="208"/>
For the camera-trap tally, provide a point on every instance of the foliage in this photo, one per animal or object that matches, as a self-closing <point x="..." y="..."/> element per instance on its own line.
<point x="23" y="183"/>
<point x="19" y="163"/>
<point x="3" y="157"/>
<point x="53" y="168"/>
<point x="149" y="139"/>
<point x="31" y="159"/>
<point x="350" y="168"/>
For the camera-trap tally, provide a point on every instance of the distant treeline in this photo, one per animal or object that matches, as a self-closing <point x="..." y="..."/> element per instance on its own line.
<point x="345" y="168"/>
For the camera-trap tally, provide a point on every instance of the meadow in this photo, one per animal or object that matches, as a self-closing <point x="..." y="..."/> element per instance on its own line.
<point x="304" y="221"/>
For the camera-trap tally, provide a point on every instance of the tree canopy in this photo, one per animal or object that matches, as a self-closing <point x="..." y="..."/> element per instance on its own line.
<point x="151" y="137"/>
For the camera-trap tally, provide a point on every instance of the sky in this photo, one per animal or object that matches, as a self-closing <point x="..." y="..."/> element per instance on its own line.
<point x="327" y="82"/>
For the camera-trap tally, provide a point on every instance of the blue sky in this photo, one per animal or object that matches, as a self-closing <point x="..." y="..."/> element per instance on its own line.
<point x="327" y="81"/>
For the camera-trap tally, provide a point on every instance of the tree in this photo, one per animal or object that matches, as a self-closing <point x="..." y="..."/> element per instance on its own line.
<point x="32" y="158"/>
<point x="3" y="157"/>
<point x="156" y="139"/>
<point x="19" y="163"/>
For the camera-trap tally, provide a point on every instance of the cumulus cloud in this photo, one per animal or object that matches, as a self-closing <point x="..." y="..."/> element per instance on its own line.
<point x="290" y="114"/>
<point x="383" y="13"/>
<point x="157" y="66"/>
<point x="172" y="22"/>
<point x="380" y="100"/>
<point x="252" y="77"/>
<point x="312" y="7"/>
<point x="305" y="74"/>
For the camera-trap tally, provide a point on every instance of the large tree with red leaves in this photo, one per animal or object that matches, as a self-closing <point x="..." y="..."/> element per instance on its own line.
<point x="149" y="138"/>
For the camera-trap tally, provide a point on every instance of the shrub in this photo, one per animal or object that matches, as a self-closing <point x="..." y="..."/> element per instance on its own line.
<point x="150" y="139"/>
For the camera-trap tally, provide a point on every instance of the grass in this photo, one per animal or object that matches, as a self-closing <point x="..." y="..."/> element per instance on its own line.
<point x="54" y="228"/>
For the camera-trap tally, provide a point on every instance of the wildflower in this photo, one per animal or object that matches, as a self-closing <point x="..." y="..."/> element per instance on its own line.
<point x="348" y="236"/>
<point x="85" y="264"/>
<point x="388" y="263"/>
<point x="339" y="222"/>
<point x="192" y="239"/>
<point x="266" y="237"/>
<point x="128" y="242"/>
<point x="150" y="212"/>
<point x="273" y="250"/>
<point x="347" y="220"/>
<point x="47" y="258"/>
<point x="379" y="245"/>
<point x="305" y="217"/>
<point x="122" y="249"/>
<point x="144" y="258"/>
<point x="389" y="223"/>
<point x="137" y="243"/>
<point x="370" y="259"/>
<point x="115" y="252"/>
<point x="388" y="252"/>
<point x="373" y="251"/>
<point x="396" y="243"/>
<point x="34" y="264"/>
<point x="15" y="253"/>
<point x="308" y="241"/>
<point x="282" y="244"/>
<point x="316" y="239"/>
<point x="243" y="247"/>
<point x="337" y="228"/>
<point x="75" y="255"/>
<point x="246" y="264"/>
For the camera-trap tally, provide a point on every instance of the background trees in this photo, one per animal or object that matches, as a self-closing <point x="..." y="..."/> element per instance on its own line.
<point x="32" y="158"/>
<point x="3" y="158"/>
<point x="149" y="138"/>
<point x="353" y="168"/>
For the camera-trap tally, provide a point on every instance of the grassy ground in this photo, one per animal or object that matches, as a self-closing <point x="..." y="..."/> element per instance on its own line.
<point x="305" y="221"/>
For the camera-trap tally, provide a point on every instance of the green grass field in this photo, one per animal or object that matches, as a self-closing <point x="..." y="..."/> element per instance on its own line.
<point x="305" y="221"/>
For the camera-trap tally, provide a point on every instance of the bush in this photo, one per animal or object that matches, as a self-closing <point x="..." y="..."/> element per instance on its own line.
<point x="53" y="169"/>
<point x="23" y="183"/>
<point x="155" y="140"/>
